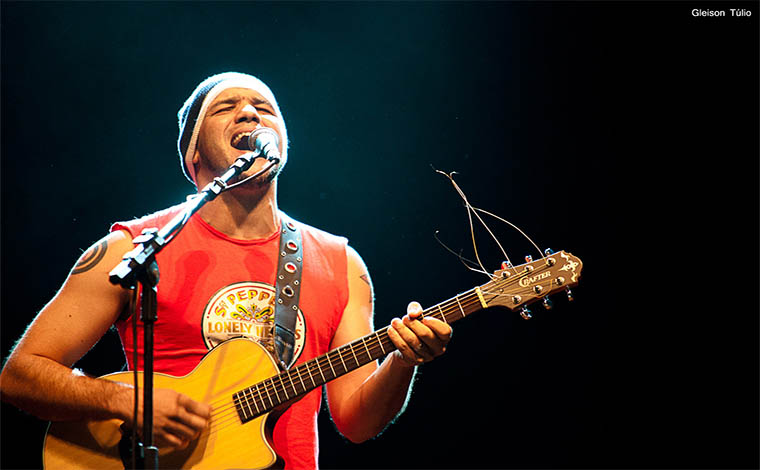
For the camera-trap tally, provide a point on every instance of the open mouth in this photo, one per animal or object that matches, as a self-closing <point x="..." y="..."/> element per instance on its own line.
<point x="240" y="140"/>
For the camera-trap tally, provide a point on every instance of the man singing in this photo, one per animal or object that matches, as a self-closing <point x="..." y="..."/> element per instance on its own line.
<point x="218" y="279"/>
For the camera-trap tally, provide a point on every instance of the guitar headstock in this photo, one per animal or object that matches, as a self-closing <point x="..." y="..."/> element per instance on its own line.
<point x="516" y="287"/>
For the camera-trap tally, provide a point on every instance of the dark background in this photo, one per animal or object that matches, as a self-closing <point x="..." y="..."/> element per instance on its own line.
<point x="625" y="133"/>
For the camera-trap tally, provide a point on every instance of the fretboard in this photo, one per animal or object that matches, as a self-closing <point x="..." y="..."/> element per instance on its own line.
<point x="266" y="395"/>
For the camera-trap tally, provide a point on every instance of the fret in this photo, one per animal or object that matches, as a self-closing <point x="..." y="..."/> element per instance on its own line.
<point x="443" y="316"/>
<point x="380" y="342"/>
<point x="369" y="356"/>
<point x="351" y="348"/>
<point x="298" y="370"/>
<point x="460" y="306"/>
<point x="254" y="402"/>
<point x="274" y="387"/>
<point x="241" y="396"/>
<point x="331" y="366"/>
<point x="292" y="384"/>
<point x="268" y="395"/>
<point x="324" y="380"/>
<point x="340" y="355"/>
<point x="236" y="402"/>
<point x="310" y="376"/>
<point x="240" y="409"/>
<point x="284" y="389"/>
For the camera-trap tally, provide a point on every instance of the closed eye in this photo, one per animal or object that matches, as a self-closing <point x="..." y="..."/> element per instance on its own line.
<point x="265" y="109"/>
<point x="223" y="109"/>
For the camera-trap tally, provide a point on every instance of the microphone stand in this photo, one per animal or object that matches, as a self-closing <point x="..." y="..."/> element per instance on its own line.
<point x="139" y="267"/>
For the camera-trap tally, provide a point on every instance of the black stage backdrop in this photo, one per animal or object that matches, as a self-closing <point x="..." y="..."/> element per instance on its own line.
<point x="625" y="133"/>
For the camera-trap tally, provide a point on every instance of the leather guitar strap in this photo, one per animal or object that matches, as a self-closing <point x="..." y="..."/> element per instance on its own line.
<point x="287" y="287"/>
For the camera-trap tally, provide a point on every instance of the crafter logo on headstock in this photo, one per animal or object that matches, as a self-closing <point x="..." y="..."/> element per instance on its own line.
<point x="527" y="281"/>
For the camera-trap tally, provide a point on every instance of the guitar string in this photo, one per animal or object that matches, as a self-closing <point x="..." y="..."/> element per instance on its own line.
<point x="311" y="367"/>
<point x="375" y="351"/>
<point x="225" y="413"/>
<point x="314" y="365"/>
<point x="231" y="417"/>
<point x="223" y="421"/>
<point x="346" y="352"/>
<point x="342" y="353"/>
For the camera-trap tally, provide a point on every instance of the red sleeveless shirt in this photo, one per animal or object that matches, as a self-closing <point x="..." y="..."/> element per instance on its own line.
<point x="213" y="287"/>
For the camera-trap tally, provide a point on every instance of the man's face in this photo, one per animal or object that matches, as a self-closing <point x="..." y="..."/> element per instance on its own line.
<point x="230" y="118"/>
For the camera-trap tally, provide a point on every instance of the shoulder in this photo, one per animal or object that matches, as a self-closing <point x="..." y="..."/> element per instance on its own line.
<point x="157" y="219"/>
<point x="108" y="250"/>
<point x="335" y="246"/>
<point x="315" y="232"/>
<point x="318" y="236"/>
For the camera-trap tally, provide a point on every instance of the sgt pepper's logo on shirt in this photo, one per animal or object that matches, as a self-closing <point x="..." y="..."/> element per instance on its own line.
<point x="246" y="309"/>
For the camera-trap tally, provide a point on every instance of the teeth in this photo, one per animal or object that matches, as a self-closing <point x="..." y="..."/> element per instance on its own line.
<point x="236" y="140"/>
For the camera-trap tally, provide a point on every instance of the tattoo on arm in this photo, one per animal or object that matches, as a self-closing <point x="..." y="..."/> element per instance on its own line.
<point x="365" y="278"/>
<point x="91" y="258"/>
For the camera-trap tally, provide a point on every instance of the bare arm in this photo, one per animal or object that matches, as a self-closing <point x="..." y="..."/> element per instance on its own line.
<point x="365" y="401"/>
<point x="38" y="377"/>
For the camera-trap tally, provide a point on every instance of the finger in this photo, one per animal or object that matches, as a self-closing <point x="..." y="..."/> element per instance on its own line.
<point x="193" y="413"/>
<point x="414" y="310"/>
<point x="166" y="439"/>
<point x="197" y="408"/>
<point x="175" y="441"/>
<point x="418" y="337"/>
<point x="406" y="350"/>
<point x="180" y="429"/>
<point x="433" y="345"/>
<point x="441" y="329"/>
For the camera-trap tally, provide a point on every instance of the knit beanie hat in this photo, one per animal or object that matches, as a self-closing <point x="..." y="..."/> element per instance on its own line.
<point x="194" y="110"/>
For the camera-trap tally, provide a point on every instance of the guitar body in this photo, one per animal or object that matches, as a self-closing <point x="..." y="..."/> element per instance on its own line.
<point x="226" y="444"/>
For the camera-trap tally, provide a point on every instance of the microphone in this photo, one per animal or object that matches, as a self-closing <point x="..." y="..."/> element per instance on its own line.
<point x="264" y="142"/>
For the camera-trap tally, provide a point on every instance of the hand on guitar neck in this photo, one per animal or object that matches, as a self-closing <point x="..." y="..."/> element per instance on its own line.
<point x="418" y="339"/>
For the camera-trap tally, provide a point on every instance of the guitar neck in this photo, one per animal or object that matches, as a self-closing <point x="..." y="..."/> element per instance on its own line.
<point x="266" y="395"/>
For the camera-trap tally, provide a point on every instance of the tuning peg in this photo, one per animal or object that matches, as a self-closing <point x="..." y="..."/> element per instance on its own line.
<point x="547" y="303"/>
<point x="528" y="258"/>
<point x="525" y="313"/>
<point x="548" y="251"/>
<point x="569" y="294"/>
<point x="506" y="265"/>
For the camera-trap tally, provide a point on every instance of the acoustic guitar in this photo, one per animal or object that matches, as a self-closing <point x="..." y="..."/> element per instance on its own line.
<point x="244" y="385"/>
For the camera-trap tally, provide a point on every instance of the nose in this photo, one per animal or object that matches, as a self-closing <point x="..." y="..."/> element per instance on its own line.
<point x="248" y="113"/>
